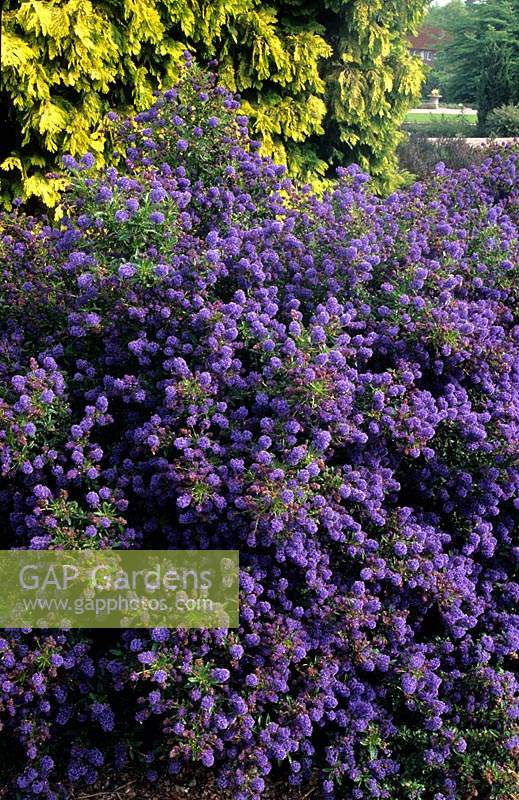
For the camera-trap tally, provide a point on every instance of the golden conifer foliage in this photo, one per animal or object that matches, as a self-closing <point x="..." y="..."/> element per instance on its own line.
<point x="324" y="83"/>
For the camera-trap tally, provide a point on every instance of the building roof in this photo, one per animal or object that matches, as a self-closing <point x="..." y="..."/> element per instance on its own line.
<point x="428" y="38"/>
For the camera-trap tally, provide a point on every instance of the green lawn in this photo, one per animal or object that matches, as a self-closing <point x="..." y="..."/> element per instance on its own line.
<point x="441" y="125"/>
<point x="427" y="118"/>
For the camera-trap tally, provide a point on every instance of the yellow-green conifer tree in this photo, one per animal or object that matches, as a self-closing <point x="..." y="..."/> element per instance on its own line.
<point x="324" y="82"/>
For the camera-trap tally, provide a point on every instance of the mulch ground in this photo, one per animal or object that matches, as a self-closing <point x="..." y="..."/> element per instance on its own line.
<point x="121" y="787"/>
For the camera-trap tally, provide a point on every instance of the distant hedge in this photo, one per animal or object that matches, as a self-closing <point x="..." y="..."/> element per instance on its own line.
<point x="324" y="83"/>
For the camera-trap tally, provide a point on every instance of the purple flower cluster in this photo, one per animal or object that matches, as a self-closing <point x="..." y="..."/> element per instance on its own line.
<point x="201" y="355"/>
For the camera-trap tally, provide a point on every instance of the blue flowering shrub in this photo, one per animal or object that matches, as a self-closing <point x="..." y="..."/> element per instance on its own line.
<point x="201" y="355"/>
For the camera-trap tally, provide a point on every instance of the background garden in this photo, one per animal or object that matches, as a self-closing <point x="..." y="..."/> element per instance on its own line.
<point x="231" y="318"/>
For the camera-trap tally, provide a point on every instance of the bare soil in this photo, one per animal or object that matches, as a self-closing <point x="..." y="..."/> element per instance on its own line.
<point x="116" y="786"/>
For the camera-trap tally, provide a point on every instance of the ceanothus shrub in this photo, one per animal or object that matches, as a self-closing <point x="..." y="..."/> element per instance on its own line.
<point x="199" y="354"/>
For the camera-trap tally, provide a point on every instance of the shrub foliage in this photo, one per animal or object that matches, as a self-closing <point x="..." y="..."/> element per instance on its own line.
<point x="200" y="355"/>
<point x="419" y="155"/>
<point x="323" y="83"/>
<point x="503" y="121"/>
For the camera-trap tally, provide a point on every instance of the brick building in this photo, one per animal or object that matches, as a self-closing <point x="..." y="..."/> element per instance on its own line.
<point x="425" y="44"/>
